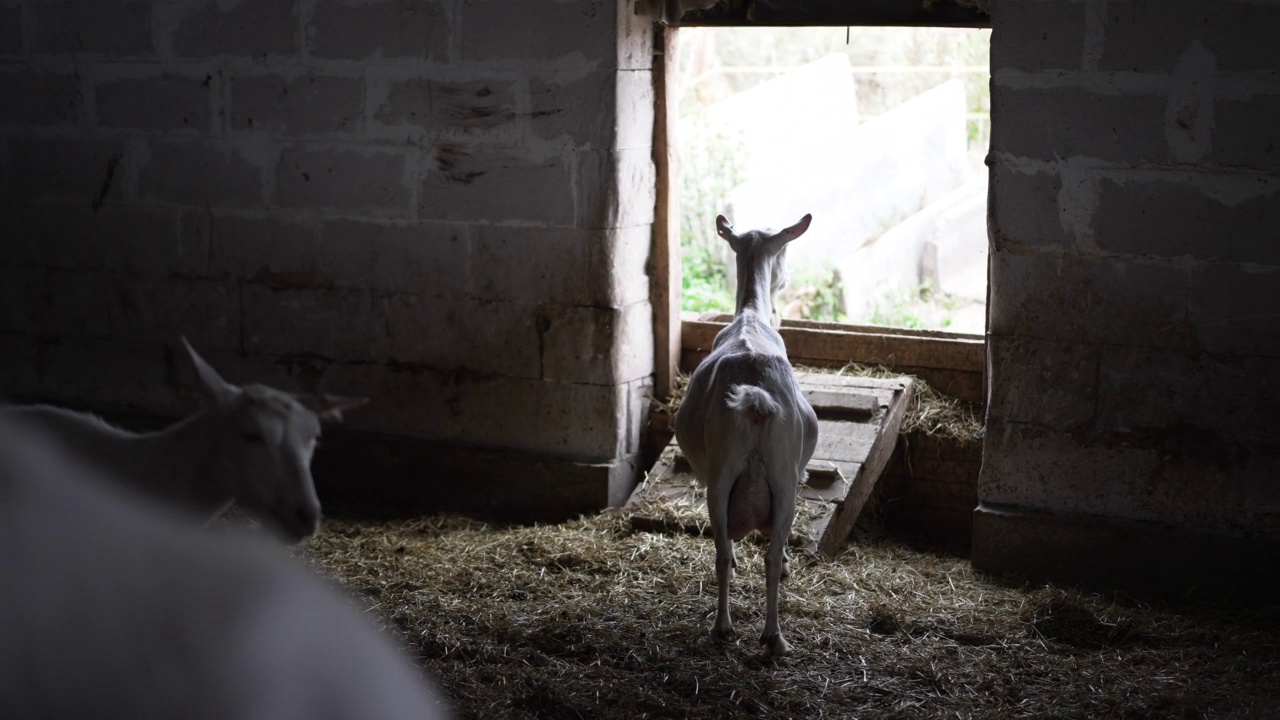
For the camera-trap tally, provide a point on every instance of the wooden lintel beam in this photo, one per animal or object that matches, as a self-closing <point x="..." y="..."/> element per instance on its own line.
<point x="842" y="13"/>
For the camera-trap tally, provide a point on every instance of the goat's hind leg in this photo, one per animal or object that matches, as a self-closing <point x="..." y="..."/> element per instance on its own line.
<point x="775" y="560"/>
<point x="718" y="513"/>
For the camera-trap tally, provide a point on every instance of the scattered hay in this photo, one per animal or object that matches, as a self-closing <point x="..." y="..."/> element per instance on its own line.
<point x="687" y="512"/>
<point x="930" y="412"/>
<point x="591" y="619"/>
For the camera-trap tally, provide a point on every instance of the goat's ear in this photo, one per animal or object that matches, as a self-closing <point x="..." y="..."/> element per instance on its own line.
<point x="212" y="386"/>
<point x="330" y="407"/>
<point x="796" y="230"/>
<point x="725" y="228"/>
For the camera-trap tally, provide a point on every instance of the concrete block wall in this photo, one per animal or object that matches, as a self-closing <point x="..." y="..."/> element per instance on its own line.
<point x="1134" y="317"/>
<point x="445" y="205"/>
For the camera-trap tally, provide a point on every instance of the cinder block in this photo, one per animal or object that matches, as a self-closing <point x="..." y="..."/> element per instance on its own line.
<point x="420" y="258"/>
<point x="200" y="173"/>
<point x="639" y="398"/>
<point x="604" y="109"/>
<point x="306" y="104"/>
<point x="530" y="265"/>
<point x="599" y="345"/>
<point x="1149" y="36"/>
<point x="11" y="41"/>
<point x="1237" y="138"/>
<point x="634" y="101"/>
<point x="75" y="304"/>
<point x="616" y="189"/>
<point x="268" y="250"/>
<point x="23" y="293"/>
<point x="370" y="180"/>
<point x="340" y="324"/>
<point x="1234" y="309"/>
<point x="1045" y="383"/>
<point x="566" y="419"/>
<point x="405" y="101"/>
<point x="20" y="364"/>
<point x="581" y="109"/>
<point x="136" y="241"/>
<point x="88" y="172"/>
<point x="463" y="106"/>
<point x="493" y="30"/>
<point x="1036" y="36"/>
<point x="117" y="28"/>
<point x="473" y="184"/>
<point x="618" y="266"/>
<point x="345" y="30"/>
<point x="1133" y="303"/>
<point x="635" y="40"/>
<point x="404" y="401"/>
<point x="108" y="375"/>
<point x="1029" y="466"/>
<point x="450" y="333"/>
<point x="48" y="98"/>
<point x="1040" y="123"/>
<point x="606" y="268"/>
<point x="168" y="102"/>
<point x="1026" y="208"/>
<point x="253" y="29"/>
<point x="1176" y="219"/>
<point x="1096" y="300"/>
<point x="161" y="310"/>
<point x="481" y="110"/>
<point x="1143" y="390"/>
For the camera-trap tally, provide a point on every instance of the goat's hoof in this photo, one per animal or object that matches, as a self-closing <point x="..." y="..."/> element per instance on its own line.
<point x="776" y="645"/>
<point x="786" y="567"/>
<point x="722" y="632"/>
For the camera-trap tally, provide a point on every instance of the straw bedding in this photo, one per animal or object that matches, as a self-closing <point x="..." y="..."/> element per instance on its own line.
<point x="591" y="619"/>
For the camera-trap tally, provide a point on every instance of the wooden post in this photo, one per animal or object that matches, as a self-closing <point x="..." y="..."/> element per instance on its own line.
<point x="666" y="280"/>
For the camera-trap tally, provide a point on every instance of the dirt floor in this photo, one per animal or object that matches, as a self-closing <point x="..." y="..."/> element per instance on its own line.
<point x="589" y="619"/>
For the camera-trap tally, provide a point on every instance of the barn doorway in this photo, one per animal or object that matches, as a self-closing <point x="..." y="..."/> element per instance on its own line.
<point x="880" y="132"/>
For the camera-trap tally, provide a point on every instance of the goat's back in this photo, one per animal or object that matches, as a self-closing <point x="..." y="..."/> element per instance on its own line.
<point x="82" y="436"/>
<point x="111" y="609"/>
<point x="747" y="353"/>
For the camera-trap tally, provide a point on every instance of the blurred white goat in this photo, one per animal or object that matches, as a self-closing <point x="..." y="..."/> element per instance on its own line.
<point x="113" y="608"/>
<point x="745" y="426"/>
<point x="250" y="446"/>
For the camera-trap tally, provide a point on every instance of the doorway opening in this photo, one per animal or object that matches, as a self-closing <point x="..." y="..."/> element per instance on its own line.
<point x="879" y="132"/>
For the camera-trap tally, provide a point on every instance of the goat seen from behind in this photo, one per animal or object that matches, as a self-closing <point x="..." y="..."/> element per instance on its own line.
<point x="249" y="446"/>
<point x="746" y="428"/>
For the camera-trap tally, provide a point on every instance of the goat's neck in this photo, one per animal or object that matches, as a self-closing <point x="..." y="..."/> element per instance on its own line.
<point x="755" y="290"/>
<point x="179" y="462"/>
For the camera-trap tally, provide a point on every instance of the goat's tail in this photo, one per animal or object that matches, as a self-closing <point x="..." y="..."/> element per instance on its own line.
<point x="755" y="402"/>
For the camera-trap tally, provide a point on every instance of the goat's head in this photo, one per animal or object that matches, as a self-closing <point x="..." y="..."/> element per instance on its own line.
<point x="262" y="447"/>
<point x="762" y="261"/>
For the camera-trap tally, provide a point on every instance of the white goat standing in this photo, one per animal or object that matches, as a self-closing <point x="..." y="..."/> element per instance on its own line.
<point x="111" y="607"/>
<point x="250" y="446"/>
<point x="745" y="426"/>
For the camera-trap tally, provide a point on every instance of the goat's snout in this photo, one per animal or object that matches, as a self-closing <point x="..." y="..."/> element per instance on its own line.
<point x="301" y="522"/>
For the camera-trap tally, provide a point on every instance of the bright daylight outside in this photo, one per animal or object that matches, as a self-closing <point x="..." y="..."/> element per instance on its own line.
<point x="879" y="132"/>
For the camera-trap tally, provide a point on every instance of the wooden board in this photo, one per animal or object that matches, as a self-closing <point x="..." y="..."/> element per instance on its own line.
<point x="840" y="13"/>
<point x="665" y="288"/>
<point x="885" y="347"/>
<point x="856" y="437"/>
<point x="953" y="363"/>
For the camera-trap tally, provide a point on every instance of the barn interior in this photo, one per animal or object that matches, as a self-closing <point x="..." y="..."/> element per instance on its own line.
<point x="464" y="211"/>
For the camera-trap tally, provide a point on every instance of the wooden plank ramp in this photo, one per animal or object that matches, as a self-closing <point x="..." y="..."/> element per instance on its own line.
<point x="858" y="421"/>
